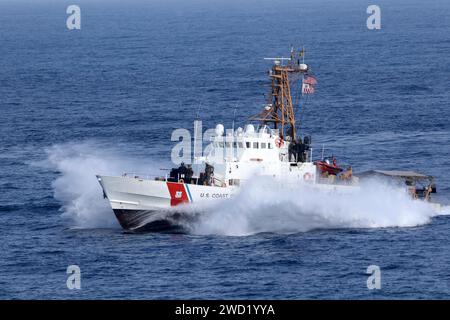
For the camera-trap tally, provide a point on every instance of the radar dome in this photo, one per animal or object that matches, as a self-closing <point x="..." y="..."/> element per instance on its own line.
<point x="219" y="129"/>
<point x="303" y="67"/>
<point x="249" y="128"/>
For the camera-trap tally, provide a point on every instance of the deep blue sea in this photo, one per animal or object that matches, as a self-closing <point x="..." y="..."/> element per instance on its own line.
<point x="105" y="99"/>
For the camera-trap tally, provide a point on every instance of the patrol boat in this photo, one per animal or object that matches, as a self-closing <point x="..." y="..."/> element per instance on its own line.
<point x="272" y="148"/>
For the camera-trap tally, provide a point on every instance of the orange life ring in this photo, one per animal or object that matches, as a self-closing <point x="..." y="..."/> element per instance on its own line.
<point x="279" y="142"/>
<point x="307" y="176"/>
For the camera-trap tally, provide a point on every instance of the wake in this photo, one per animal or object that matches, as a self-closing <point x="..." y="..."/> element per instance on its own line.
<point x="76" y="186"/>
<point x="280" y="209"/>
<point x="263" y="205"/>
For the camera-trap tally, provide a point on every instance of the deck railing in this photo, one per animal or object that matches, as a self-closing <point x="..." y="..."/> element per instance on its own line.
<point x="144" y="176"/>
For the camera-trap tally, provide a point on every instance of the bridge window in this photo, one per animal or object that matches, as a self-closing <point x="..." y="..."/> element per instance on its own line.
<point x="247" y="144"/>
<point x="269" y="145"/>
<point x="241" y="145"/>
<point x="263" y="145"/>
<point x="255" y="145"/>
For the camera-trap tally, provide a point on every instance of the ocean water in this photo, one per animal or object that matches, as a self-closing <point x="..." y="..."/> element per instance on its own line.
<point x="105" y="99"/>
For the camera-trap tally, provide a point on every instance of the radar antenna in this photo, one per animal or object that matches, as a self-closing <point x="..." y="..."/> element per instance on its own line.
<point x="280" y="110"/>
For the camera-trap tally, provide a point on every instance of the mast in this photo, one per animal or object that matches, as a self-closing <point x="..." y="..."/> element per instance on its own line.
<point x="280" y="110"/>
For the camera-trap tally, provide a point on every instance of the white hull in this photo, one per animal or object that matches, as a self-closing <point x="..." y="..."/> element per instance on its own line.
<point x="136" y="200"/>
<point x="142" y="203"/>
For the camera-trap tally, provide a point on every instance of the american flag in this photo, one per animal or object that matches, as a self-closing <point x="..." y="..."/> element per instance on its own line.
<point x="308" y="84"/>
<point x="307" y="88"/>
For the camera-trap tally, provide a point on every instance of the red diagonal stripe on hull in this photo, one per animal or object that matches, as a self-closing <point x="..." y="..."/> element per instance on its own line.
<point x="177" y="192"/>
